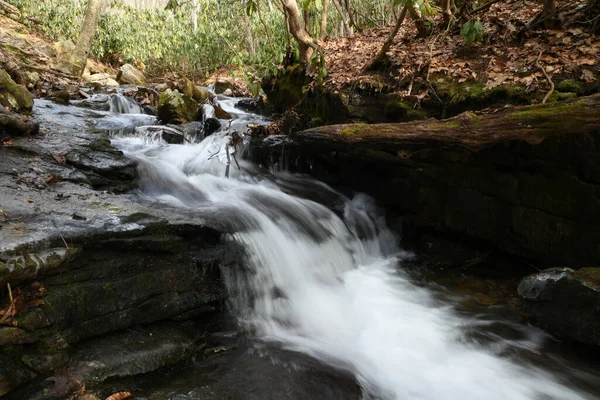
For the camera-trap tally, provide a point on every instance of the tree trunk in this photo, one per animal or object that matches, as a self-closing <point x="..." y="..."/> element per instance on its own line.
<point x="249" y="35"/>
<point x="423" y="25"/>
<point x="324" y="12"/>
<point x="75" y="63"/>
<point x="447" y="11"/>
<point x="343" y="17"/>
<point x="377" y="60"/>
<point x="549" y="14"/>
<point x="195" y="15"/>
<point x="296" y="27"/>
<point x="351" y="15"/>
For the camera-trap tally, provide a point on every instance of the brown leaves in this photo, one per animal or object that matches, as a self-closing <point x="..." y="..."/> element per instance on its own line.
<point x="120" y="396"/>
<point x="24" y="299"/>
<point x="53" y="179"/>
<point x="60" y="158"/>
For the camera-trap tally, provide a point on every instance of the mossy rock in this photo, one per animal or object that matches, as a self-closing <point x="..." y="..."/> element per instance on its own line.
<point x="13" y="96"/>
<point x="177" y="108"/>
<point x="196" y="93"/>
<point x="60" y="97"/>
<point x="128" y="74"/>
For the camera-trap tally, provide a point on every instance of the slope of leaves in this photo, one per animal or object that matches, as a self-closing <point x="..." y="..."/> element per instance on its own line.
<point x="507" y="55"/>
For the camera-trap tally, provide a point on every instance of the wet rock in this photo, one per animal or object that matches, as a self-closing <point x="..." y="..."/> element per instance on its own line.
<point x="228" y="92"/>
<point x="564" y="301"/>
<point x="60" y="97"/>
<point x="177" y="108"/>
<point x="13" y="96"/>
<point x="251" y="105"/>
<point x="12" y="374"/>
<point x="100" y="102"/>
<point x="29" y="79"/>
<point x="109" y="166"/>
<point x="12" y="335"/>
<point x="29" y="266"/>
<point x="16" y="125"/>
<point x="223" y="84"/>
<point x="211" y="125"/>
<point x="129" y="74"/>
<point x="169" y="134"/>
<point x="222" y="114"/>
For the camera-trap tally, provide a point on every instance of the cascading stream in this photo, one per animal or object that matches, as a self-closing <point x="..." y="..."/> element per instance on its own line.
<point x="329" y="284"/>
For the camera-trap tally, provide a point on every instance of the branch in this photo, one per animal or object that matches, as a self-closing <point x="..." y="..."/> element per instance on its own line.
<point x="547" y="78"/>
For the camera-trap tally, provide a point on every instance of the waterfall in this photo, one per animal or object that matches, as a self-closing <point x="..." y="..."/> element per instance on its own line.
<point x="124" y="105"/>
<point x="330" y="284"/>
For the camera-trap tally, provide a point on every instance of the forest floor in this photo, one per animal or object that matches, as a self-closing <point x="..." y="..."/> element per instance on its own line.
<point x="510" y="54"/>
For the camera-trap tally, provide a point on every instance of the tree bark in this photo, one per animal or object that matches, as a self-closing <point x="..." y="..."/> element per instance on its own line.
<point x="343" y="17"/>
<point x="249" y="35"/>
<point x="76" y="61"/>
<point x="378" y="59"/>
<point x="296" y="27"/>
<point x="324" y="13"/>
<point x="422" y="24"/>
<point x="351" y="15"/>
<point x="531" y="124"/>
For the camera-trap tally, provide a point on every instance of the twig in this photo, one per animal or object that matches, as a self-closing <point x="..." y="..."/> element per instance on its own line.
<point x="537" y="64"/>
<point x="10" y="295"/>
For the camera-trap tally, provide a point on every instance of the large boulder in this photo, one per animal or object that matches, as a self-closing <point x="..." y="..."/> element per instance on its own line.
<point x="128" y="74"/>
<point x="178" y="108"/>
<point x="13" y="96"/>
<point x="564" y="301"/>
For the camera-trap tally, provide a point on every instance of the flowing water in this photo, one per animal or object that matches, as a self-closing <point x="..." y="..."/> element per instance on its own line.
<point x="324" y="277"/>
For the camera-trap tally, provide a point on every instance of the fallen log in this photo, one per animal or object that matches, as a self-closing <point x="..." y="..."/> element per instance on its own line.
<point x="525" y="180"/>
<point x="530" y="124"/>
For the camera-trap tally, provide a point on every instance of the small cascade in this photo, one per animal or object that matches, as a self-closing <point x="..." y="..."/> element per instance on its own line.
<point x="124" y="105"/>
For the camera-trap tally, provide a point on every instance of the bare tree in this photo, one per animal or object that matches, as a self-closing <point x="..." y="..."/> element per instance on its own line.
<point x="306" y="44"/>
<point x="75" y="62"/>
<point x="324" y="13"/>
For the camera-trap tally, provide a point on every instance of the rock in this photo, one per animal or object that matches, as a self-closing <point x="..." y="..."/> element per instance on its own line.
<point x="128" y="74"/>
<point x="12" y="335"/>
<point x="97" y="77"/>
<point x="111" y="83"/>
<point x="13" y="96"/>
<point x="524" y="180"/>
<point x="228" y="92"/>
<point x="60" y="97"/>
<point x="29" y="266"/>
<point x="161" y="87"/>
<point x="211" y="125"/>
<point x="63" y="48"/>
<point x="224" y="84"/>
<point x="251" y="105"/>
<point x="222" y="114"/>
<point x="12" y="374"/>
<point x="564" y="301"/>
<point x="177" y="108"/>
<point x="169" y="134"/>
<point x="200" y="95"/>
<point x="16" y="125"/>
<point x="29" y="79"/>
<point x="109" y="166"/>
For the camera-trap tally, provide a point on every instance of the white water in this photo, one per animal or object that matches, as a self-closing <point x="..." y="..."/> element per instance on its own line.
<point x="330" y="286"/>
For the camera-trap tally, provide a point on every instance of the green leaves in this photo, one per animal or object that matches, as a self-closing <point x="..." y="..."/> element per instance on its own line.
<point x="472" y="31"/>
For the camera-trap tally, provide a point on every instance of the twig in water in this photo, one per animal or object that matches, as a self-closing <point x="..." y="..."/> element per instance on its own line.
<point x="537" y="64"/>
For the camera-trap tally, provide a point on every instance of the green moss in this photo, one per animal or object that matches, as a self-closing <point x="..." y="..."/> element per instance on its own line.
<point x="15" y="97"/>
<point x="568" y="86"/>
<point x="355" y="130"/>
<point x="566" y="96"/>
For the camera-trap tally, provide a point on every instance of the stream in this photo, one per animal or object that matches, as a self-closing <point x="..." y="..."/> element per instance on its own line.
<point x="324" y="278"/>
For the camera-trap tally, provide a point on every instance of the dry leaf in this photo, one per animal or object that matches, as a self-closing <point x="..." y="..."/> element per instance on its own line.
<point x="587" y="75"/>
<point x="53" y="179"/>
<point x="120" y="396"/>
